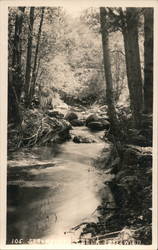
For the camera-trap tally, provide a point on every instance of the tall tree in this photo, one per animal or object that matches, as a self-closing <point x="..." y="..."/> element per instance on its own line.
<point x="108" y="75"/>
<point x="34" y="72"/>
<point x="29" y="57"/>
<point x="127" y="21"/>
<point x="130" y="34"/>
<point x="148" y="60"/>
<point x="15" y="79"/>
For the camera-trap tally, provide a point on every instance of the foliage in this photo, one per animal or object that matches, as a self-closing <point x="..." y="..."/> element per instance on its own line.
<point x="37" y="128"/>
<point x="70" y="57"/>
<point x="90" y="17"/>
<point x="77" y="64"/>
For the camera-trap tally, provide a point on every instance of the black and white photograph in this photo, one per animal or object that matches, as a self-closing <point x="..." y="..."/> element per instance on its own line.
<point x="80" y="95"/>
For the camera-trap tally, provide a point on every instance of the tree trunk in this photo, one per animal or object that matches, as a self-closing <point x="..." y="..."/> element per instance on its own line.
<point x="29" y="57"/>
<point x="130" y="35"/>
<point x="37" y="71"/>
<point x="108" y="75"/>
<point x="34" y="73"/>
<point x="15" y="79"/>
<point x="148" y="60"/>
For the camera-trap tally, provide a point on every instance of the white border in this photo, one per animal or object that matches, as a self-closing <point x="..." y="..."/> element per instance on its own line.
<point x="3" y="111"/>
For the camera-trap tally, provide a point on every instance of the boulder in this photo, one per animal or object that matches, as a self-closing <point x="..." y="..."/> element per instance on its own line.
<point x="77" y="123"/>
<point x="64" y="135"/>
<point x="95" y="126"/>
<point x="91" y="118"/>
<point x="71" y="116"/>
<point x="81" y="139"/>
<point x="61" y="137"/>
<point x="98" y="125"/>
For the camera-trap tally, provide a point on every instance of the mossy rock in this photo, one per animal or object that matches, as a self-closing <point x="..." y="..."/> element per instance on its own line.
<point x="77" y="123"/>
<point x="71" y="116"/>
<point x="91" y="118"/>
<point x="98" y="125"/>
<point x="81" y="139"/>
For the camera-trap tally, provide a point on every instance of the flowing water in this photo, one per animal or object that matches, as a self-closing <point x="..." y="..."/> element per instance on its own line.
<point x="53" y="189"/>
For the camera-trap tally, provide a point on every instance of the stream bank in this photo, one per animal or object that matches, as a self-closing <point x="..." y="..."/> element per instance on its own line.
<point x="130" y="221"/>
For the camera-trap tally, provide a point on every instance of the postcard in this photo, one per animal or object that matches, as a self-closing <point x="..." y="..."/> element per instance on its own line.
<point x="78" y="124"/>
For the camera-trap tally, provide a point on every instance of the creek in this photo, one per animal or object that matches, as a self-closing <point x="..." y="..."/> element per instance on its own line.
<point x="53" y="189"/>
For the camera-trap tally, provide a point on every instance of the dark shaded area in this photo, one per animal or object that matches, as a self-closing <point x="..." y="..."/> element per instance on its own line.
<point x="17" y="225"/>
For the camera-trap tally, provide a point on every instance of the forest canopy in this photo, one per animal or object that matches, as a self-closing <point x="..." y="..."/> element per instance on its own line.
<point x="52" y="54"/>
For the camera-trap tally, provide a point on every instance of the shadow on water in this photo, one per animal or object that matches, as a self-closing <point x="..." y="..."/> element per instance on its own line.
<point x="26" y="206"/>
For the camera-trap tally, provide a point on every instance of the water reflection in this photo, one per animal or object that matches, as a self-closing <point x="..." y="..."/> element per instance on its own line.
<point x="44" y="201"/>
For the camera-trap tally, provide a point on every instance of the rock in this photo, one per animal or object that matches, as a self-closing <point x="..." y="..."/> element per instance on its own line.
<point x="55" y="114"/>
<point x="64" y="133"/>
<point x="95" y="122"/>
<point x="77" y="123"/>
<point x="71" y="116"/>
<point x="91" y="118"/>
<point x="61" y="137"/>
<point x="98" y="125"/>
<point x="95" y="125"/>
<point x="81" y="139"/>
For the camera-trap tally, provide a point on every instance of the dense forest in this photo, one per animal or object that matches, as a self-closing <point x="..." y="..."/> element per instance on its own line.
<point x="95" y="70"/>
